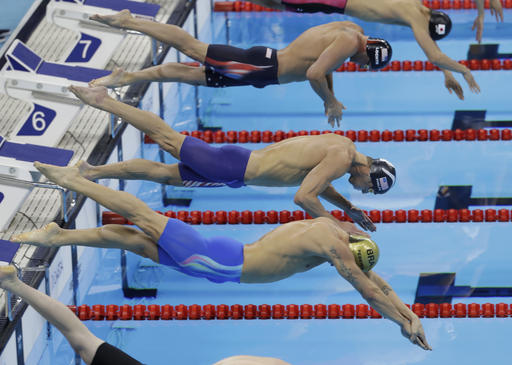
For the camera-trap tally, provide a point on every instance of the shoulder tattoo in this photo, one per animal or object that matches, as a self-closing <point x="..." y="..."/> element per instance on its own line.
<point x="345" y="271"/>
<point x="334" y="253"/>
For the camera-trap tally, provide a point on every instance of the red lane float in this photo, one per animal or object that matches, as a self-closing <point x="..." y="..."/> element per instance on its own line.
<point x="152" y="312"/>
<point x="409" y="135"/>
<point x="274" y="217"/>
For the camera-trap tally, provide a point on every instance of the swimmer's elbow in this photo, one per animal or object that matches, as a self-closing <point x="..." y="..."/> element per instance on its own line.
<point x="313" y="74"/>
<point x="302" y="199"/>
<point x="298" y="199"/>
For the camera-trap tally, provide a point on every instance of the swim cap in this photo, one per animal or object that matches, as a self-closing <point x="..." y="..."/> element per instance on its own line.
<point x="379" y="52"/>
<point x="439" y="25"/>
<point x="382" y="174"/>
<point x="365" y="251"/>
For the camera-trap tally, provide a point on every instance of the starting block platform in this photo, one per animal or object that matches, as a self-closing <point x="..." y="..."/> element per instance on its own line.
<point x="7" y="251"/>
<point x="37" y="108"/>
<point x="28" y="77"/>
<point x="95" y="43"/>
<point x="18" y="175"/>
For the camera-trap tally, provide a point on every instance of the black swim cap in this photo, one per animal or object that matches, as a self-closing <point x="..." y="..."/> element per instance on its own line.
<point x="383" y="175"/>
<point x="439" y="25"/>
<point x="379" y="52"/>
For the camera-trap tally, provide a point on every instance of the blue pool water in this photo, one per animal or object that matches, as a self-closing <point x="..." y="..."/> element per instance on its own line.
<point x="477" y="252"/>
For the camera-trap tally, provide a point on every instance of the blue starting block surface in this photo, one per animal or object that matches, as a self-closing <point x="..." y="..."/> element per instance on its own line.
<point x="22" y="58"/>
<point x="8" y="250"/>
<point x="31" y="152"/>
<point x="135" y="7"/>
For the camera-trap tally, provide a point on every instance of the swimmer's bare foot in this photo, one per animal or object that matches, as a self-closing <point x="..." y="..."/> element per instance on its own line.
<point x="93" y="96"/>
<point x="67" y="177"/>
<point x="8" y="276"/>
<point x="117" y="78"/>
<point x="85" y="170"/>
<point x="119" y="20"/>
<point x="45" y="236"/>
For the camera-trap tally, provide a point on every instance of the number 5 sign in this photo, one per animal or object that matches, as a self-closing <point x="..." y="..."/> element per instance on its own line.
<point x="37" y="122"/>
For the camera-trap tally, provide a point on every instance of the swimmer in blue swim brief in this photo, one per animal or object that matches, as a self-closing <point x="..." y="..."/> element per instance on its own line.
<point x="313" y="56"/>
<point x="310" y="162"/>
<point x="289" y="249"/>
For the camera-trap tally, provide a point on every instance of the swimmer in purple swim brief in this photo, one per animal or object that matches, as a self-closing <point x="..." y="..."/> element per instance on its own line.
<point x="310" y="162"/>
<point x="205" y="166"/>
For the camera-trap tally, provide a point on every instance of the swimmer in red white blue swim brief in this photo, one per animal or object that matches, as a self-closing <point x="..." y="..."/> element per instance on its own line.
<point x="313" y="56"/>
<point x="427" y="25"/>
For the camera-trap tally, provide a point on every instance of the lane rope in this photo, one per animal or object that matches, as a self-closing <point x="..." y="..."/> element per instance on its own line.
<point x="196" y="217"/>
<point x="398" y="135"/>
<point x="126" y="312"/>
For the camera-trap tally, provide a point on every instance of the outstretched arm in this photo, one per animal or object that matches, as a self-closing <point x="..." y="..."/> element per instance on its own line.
<point x="416" y="334"/>
<point x="441" y="60"/>
<point x="77" y="334"/>
<point x="342" y="258"/>
<point x="331" y="58"/>
<point x="496" y="10"/>
<point x="332" y="196"/>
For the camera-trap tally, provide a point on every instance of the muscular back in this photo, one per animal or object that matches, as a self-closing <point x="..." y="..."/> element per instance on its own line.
<point x="286" y="163"/>
<point x="298" y="56"/>
<point x="291" y="248"/>
<point x="401" y="12"/>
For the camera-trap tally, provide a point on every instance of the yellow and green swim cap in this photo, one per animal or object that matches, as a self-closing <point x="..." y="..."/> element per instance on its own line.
<point x="365" y="251"/>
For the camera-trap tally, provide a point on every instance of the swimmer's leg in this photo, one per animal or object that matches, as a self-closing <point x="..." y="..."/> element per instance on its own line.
<point x="123" y="203"/>
<point x="79" y="337"/>
<point x="167" y="138"/>
<point x="136" y="169"/>
<point x="167" y="72"/>
<point x="108" y="236"/>
<point x="167" y="33"/>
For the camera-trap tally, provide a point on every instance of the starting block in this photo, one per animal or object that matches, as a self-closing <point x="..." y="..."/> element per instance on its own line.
<point x="96" y="42"/>
<point x="18" y="176"/>
<point x="28" y="77"/>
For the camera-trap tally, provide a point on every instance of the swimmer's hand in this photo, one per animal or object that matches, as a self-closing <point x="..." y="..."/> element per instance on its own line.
<point x="333" y="111"/>
<point x="361" y="218"/>
<point x="478" y="24"/>
<point x="351" y="228"/>
<point x="93" y="96"/>
<point x="413" y="331"/>
<point x="496" y="9"/>
<point x="119" y="20"/>
<point x="471" y="82"/>
<point x="453" y="85"/>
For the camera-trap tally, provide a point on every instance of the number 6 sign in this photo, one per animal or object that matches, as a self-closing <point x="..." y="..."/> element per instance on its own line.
<point x="37" y="122"/>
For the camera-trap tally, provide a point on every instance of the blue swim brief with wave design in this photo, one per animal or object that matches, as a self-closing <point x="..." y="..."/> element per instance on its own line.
<point x="218" y="259"/>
